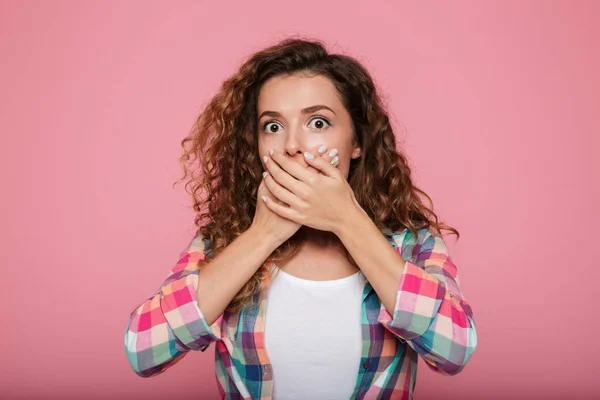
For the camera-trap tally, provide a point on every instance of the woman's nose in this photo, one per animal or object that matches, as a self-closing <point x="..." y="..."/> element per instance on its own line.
<point x="292" y="150"/>
<point x="293" y="143"/>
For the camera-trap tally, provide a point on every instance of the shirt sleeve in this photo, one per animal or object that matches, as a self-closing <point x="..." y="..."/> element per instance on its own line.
<point x="430" y="312"/>
<point x="169" y="324"/>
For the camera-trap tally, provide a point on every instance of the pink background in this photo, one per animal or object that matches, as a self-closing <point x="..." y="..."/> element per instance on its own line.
<point x="499" y="104"/>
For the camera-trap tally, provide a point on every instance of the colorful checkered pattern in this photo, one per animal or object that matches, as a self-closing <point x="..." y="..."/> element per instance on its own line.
<point x="431" y="318"/>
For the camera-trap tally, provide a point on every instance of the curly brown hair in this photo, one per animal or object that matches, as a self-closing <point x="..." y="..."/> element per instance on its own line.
<point x="222" y="170"/>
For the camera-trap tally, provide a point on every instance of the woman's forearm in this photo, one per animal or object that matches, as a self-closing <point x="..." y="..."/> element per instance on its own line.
<point x="221" y="279"/>
<point x="374" y="255"/>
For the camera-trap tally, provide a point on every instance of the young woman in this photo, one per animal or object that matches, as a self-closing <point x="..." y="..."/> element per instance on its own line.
<point x="317" y="269"/>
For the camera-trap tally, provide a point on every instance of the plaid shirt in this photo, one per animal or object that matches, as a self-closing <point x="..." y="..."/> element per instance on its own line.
<point x="430" y="318"/>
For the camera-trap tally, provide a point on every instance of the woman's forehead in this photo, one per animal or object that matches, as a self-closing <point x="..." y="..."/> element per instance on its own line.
<point x="296" y="92"/>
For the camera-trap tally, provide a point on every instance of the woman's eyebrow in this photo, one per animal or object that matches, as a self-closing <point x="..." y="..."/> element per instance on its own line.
<point x="307" y="110"/>
<point x="272" y="114"/>
<point x="312" y="109"/>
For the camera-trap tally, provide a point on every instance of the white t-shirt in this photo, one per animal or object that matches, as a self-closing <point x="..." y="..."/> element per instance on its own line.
<point x="313" y="336"/>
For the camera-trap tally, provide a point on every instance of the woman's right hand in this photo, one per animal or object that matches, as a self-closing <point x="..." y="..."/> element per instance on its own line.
<point x="271" y="225"/>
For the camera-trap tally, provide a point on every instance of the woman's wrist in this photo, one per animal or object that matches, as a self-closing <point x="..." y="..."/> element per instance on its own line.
<point x="268" y="238"/>
<point x="358" y="217"/>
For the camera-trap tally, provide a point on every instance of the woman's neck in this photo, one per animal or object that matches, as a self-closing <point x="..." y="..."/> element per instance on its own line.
<point x="314" y="241"/>
<point x="319" y="239"/>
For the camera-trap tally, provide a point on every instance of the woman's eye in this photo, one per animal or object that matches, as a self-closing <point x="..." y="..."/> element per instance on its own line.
<point x="272" y="127"/>
<point x="319" y="123"/>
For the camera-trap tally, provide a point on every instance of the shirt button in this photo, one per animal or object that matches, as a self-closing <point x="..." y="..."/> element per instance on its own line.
<point x="366" y="364"/>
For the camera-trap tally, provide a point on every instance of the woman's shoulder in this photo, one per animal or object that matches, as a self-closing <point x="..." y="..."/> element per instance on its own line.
<point x="403" y="237"/>
<point x="199" y="243"/>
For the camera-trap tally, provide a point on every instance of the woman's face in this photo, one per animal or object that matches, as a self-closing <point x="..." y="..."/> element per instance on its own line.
<point x="298" y="113"/>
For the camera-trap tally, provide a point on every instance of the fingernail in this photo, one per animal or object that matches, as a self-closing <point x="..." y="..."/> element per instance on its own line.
<point x="265" y="174"/>
<point x="335" y="161"/>
<point x="264" y="198"/>
<point x="271" y="152"/>
<point x="333" y="153"/>
<point x="265" y="159"/>
<point x="322" y="149"/>
<point x="308" y="155"/>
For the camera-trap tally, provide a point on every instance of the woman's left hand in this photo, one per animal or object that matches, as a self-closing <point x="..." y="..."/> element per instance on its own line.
<point x="318" y="200"/>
